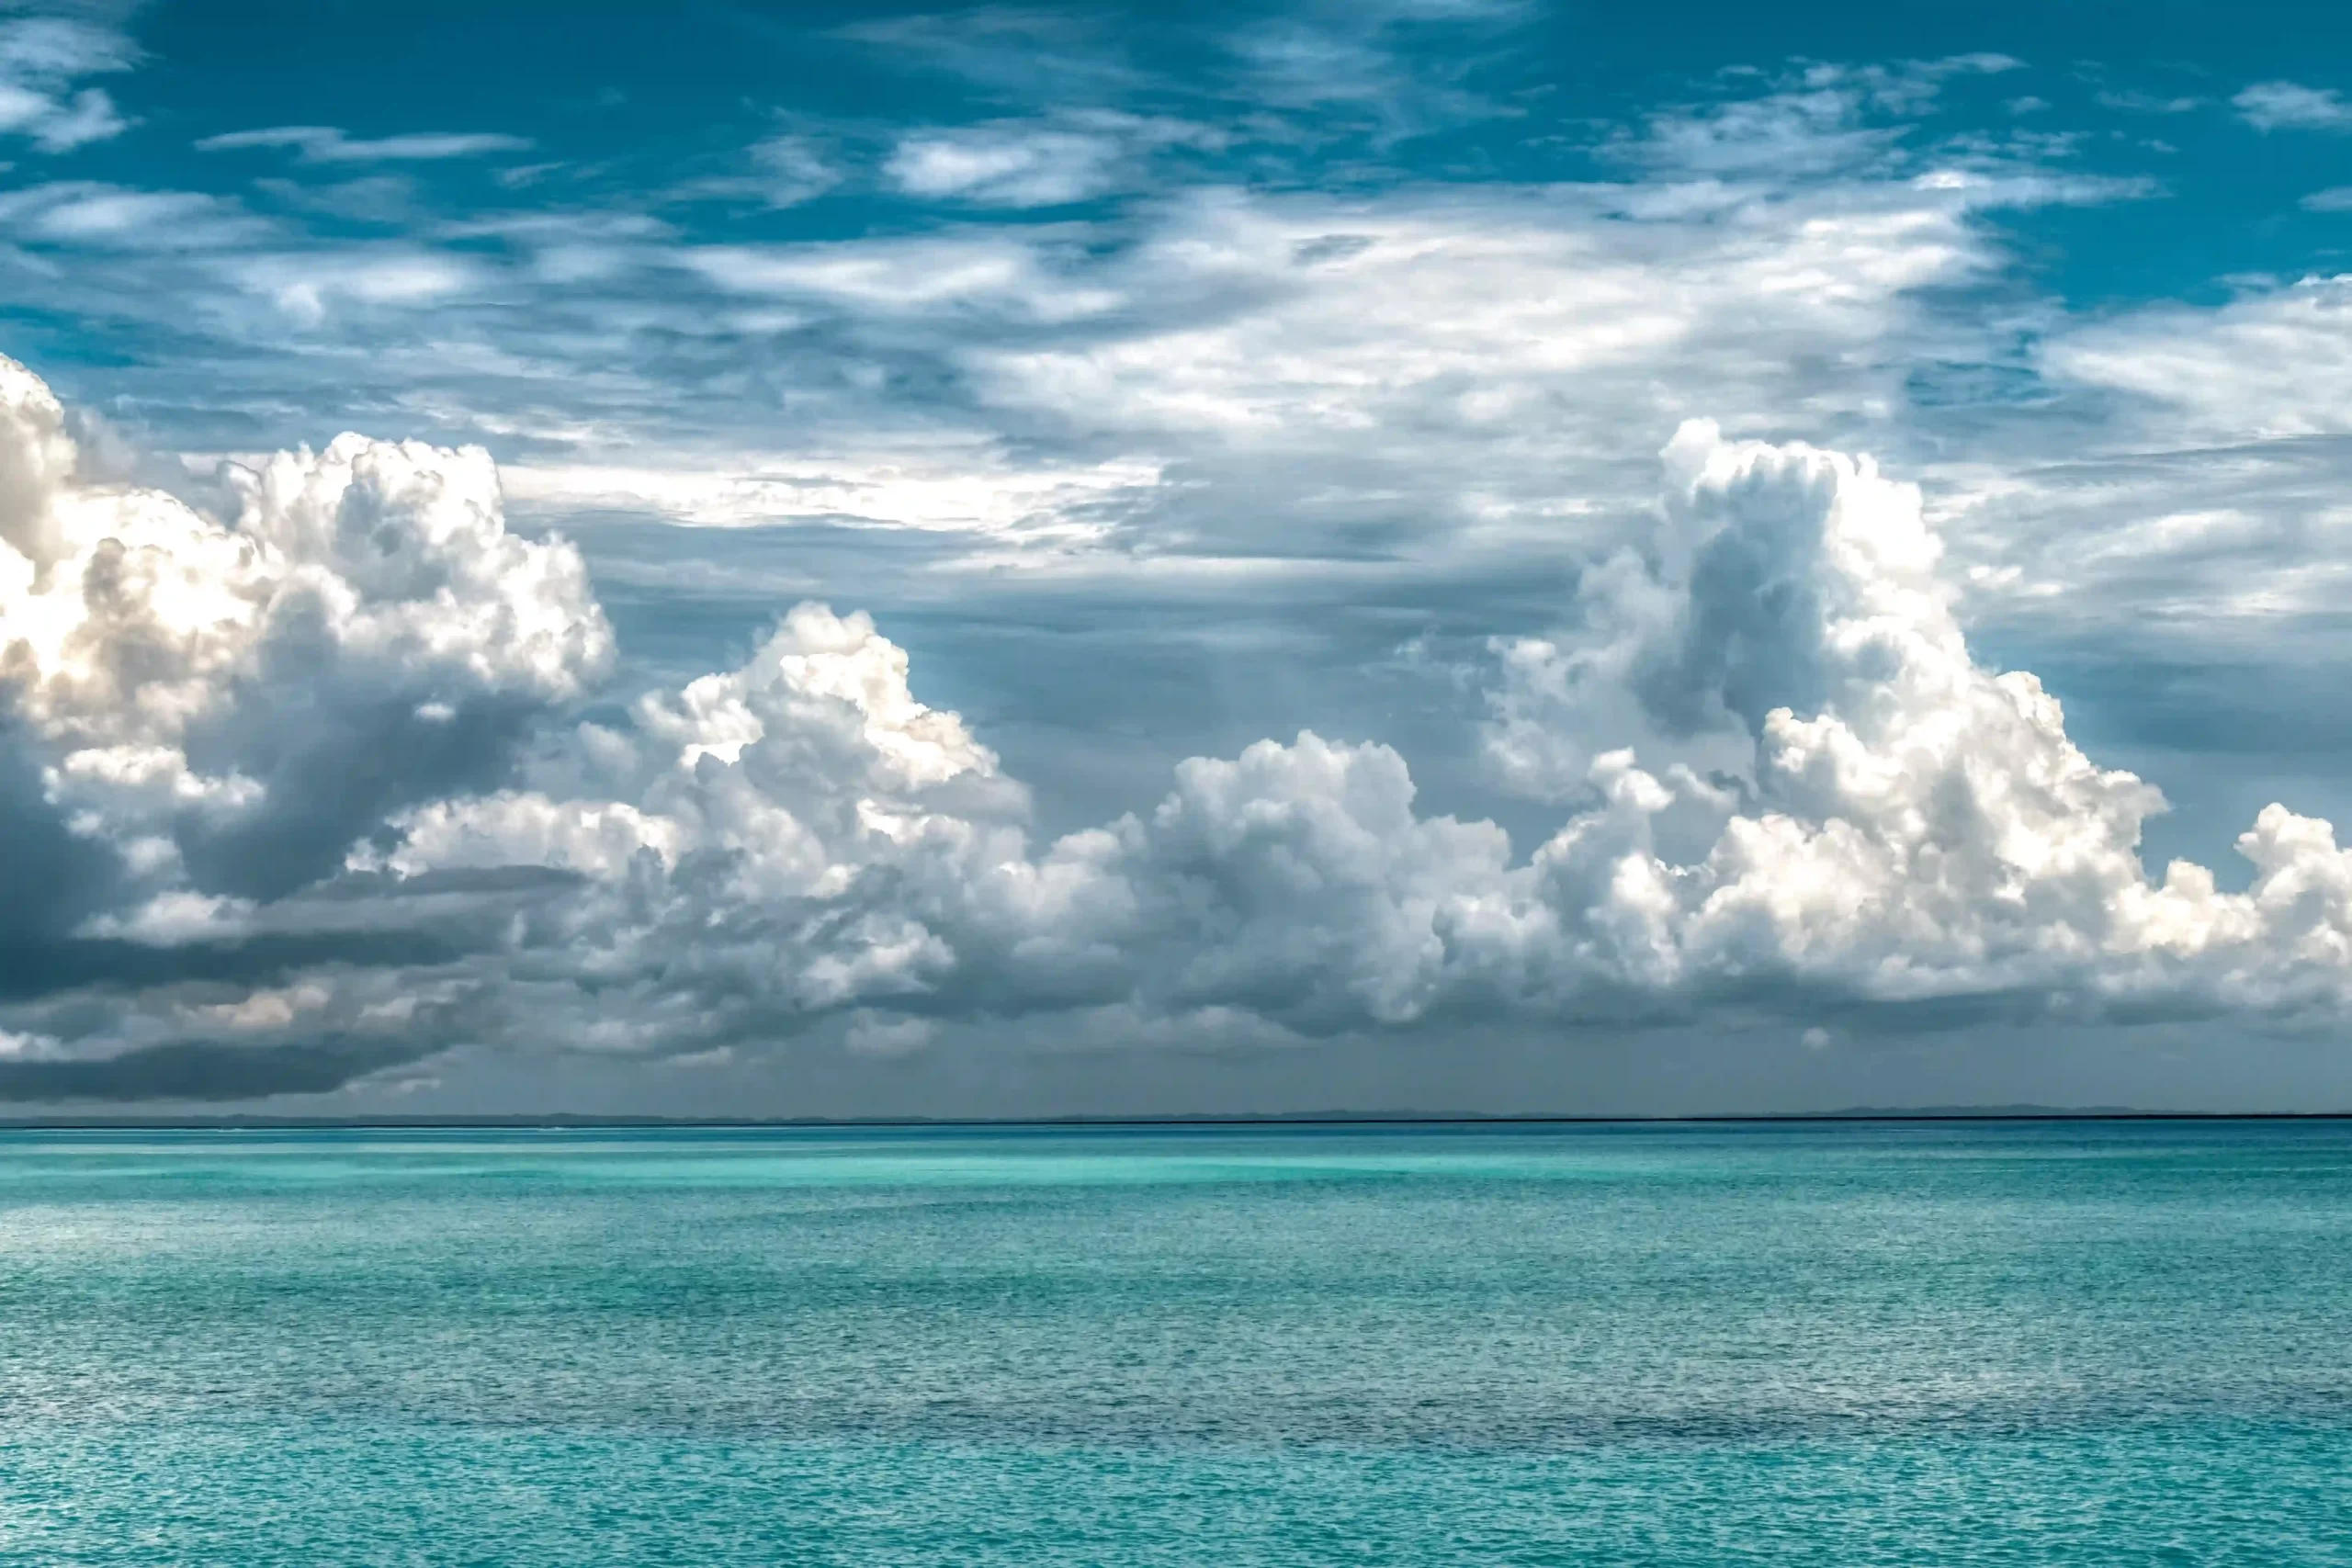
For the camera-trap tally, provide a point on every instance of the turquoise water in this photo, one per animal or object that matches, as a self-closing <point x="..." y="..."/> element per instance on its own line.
<point x="1868" y="1344"/>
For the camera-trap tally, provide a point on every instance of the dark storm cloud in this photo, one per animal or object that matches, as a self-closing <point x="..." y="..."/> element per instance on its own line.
<point x="207" y="1070"/>
<point x="333" y="768"/>
<point x="33" y="969"/>
<point x="53" y="878"/>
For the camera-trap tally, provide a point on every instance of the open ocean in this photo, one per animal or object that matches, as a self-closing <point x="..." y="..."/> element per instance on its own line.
<point x="1866" y="1344"/>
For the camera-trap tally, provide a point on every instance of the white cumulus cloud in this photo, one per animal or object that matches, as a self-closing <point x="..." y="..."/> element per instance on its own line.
<point x="357" y="713"/>
<point x="2289" y="106"/>
<point x="1885" y="824"/>
<point x="249" y="692"/>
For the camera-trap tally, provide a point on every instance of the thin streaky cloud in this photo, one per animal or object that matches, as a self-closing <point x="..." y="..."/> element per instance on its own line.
<point x="326" y="144"/>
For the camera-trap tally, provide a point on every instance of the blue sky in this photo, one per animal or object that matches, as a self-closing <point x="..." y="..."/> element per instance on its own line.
<point x="1162" y="383"/>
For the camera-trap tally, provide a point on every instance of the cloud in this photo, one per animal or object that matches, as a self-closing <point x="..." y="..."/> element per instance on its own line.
<point x="42" y="58"/>
<point x="326" y="144"/>
<point x="794" y="169"/>
<point x="1003" y="167"/>
<point x="1233" y="445"/>
<point x="1912" y="827"/>
<point x="308" y="286"/>
<point x="2160" y="510"/>
<point x="781" y="171"/>
<point x="225" y="704"/>
<point x="1059" y="56"/>
<point x="2271" y="362"/>
<point x="1138" y="485"/>
<point x="879" y="1035"/>
<point x="85" y="214"/>
<point x="204" y="1071"/>
<point x="2150" y="103"/>
<point x="1826" y="118"/>
<point x="1488" y="333"/>
<point x="1907" y="830"/>
<point x="1373" y="67"/>
<point x="2287" y="105"/>
<point x="1034" y="164"/>
<point x="928" y="276"/>
<point x="2334" y="198"/>
<point x="359" y="716"/>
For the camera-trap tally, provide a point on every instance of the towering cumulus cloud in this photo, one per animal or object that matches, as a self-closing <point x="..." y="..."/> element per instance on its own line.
<point x="203" y="717"/>
<point x="228" y="706"/>
<point x="296" y="796"/>
<point x="1912" y="826"/>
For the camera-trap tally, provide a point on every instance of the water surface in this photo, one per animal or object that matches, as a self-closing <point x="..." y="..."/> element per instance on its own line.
<point x="1850" y="1344"/>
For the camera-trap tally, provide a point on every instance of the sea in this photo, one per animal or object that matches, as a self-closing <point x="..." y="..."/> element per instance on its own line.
<point x="1850" y="1343"/>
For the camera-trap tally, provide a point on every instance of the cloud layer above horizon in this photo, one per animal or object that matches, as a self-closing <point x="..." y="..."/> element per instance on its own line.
<point x="322" y="768"/>
<point x="1287" y="534"/>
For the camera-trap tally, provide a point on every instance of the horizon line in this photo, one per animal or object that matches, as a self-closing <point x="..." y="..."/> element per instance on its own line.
<point x="573" y="1121"/>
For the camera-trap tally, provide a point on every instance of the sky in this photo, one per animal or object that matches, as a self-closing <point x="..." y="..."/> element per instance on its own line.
<point x="1440" y="555"/>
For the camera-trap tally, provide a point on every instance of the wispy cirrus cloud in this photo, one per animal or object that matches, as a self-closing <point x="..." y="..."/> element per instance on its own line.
<point x="43" y="58"/>
<point x="88" y="214"/>
<point x="1003" y="167"/>
<point x="1048" y="163"/>
<point x="326" y="144"/>
<point x="2133" y="102"/>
